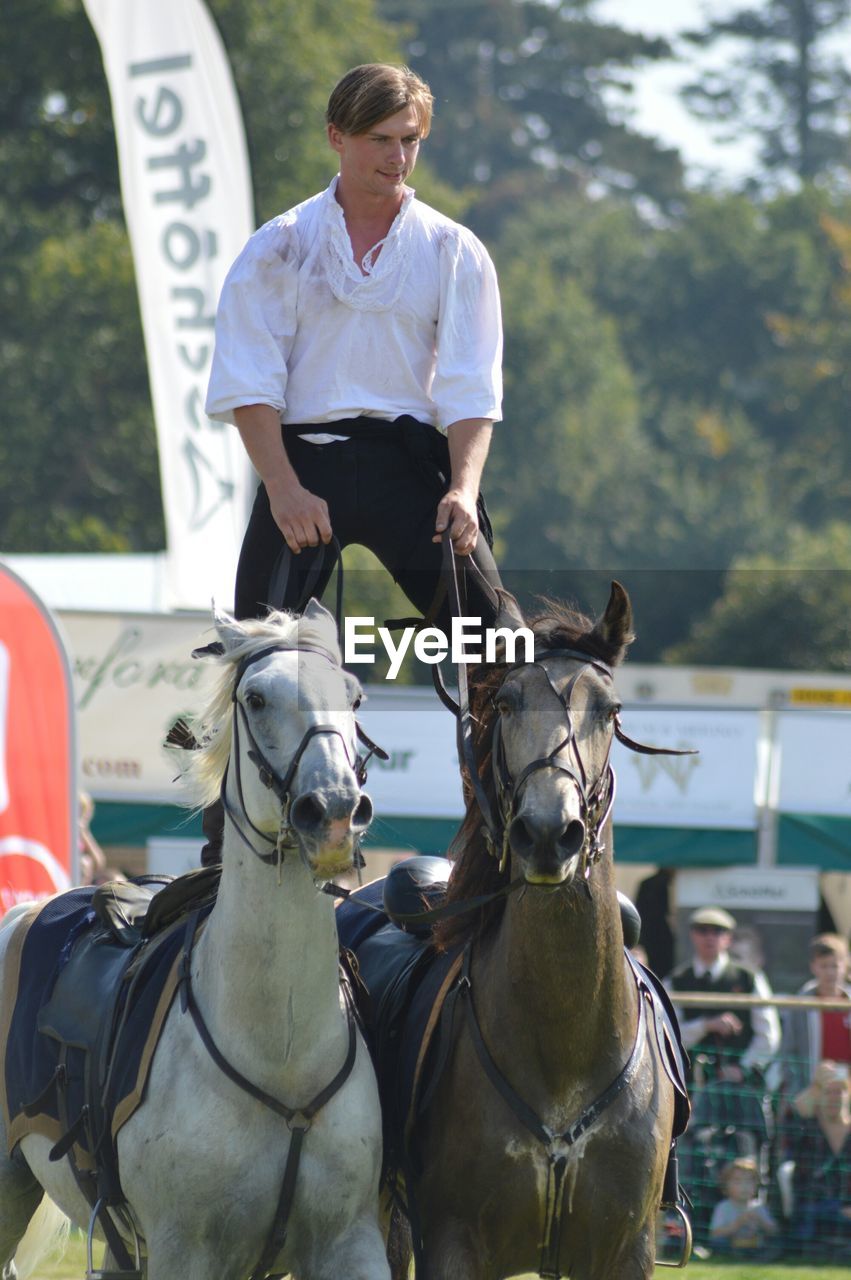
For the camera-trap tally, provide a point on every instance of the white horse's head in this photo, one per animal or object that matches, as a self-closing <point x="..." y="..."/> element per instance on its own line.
<point x="278" y="740"/>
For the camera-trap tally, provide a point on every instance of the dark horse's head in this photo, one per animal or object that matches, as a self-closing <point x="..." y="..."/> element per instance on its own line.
<point x="542" y="740"/>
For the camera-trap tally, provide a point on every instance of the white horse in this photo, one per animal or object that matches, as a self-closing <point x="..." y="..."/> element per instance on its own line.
<point x="202" y="1161"/>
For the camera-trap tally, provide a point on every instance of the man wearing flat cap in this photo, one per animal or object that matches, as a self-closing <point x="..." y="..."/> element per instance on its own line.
<point x="731" y="1043"/>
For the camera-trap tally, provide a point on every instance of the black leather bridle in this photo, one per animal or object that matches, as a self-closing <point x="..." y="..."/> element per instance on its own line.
<point x="595" y="803"/>
<point x="281" y="786"/>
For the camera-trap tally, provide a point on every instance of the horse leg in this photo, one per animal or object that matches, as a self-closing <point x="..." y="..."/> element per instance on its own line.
<point x="20" y="1196"/>
<point x="400" y="1249"/>
<point x="451" y="1253"/>
<point x="357" y="1254"/>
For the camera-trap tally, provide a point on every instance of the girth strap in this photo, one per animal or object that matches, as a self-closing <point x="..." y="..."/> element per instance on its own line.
<point x="554" y="1143"/>
<point x="299" y="1119"/>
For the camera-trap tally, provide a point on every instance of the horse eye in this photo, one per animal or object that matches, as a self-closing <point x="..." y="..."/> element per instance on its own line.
<point x="255" y="701"/>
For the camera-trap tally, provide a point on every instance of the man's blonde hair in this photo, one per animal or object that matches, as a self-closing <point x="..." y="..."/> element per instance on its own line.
<point x="374" y="91"/>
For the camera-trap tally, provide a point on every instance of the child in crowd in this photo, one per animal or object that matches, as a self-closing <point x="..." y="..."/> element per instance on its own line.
<point x="811" y="1036"/>
<point x="741" y="1226"/>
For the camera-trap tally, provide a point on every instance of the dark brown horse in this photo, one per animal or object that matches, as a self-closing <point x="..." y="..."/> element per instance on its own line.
<point x="544" y="1145"/>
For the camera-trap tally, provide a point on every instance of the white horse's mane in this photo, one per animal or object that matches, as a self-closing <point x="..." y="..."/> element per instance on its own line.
<point x="212" y="727"/>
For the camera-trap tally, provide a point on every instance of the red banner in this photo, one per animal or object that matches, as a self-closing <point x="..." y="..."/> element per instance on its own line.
<point x="38" y="802"/>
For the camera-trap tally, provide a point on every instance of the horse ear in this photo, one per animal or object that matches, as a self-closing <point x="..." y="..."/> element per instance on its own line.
<point x="316" y="612"/>
<point x="614" y="628"/>
<point x="229" y="631"/>
<point x="509" y="613"/>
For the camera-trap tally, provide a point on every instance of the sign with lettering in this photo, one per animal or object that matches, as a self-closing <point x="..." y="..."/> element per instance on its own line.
<point x="134" y="675"/>
<point x="187" y="199"/>
<point x="718" y="787"/>
<point x="38" y="803"/>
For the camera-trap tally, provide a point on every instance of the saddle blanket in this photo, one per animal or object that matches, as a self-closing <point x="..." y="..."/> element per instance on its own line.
<point x="105" y="1032"/>
<point x="402" y="985"/>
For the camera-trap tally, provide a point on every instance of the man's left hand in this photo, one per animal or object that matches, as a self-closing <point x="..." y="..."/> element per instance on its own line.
<point x="456" y="512"/>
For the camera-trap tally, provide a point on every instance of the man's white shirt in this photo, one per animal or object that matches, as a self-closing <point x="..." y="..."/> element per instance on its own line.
<point x="301" y="328"/>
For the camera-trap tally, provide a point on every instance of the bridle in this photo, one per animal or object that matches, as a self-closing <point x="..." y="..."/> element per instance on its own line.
<point x="595" y="803"/>
<point x="281" y="786"/>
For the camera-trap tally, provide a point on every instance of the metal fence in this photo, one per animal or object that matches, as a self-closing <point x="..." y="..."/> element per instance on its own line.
<point x="795" y="1148"/>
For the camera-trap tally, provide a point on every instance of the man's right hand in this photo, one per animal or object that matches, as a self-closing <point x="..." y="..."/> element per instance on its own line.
<point x="300" y="515"/>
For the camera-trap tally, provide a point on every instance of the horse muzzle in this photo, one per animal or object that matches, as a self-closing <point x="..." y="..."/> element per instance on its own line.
<point x="329" y="829"/>
<point x="548" y="847"/>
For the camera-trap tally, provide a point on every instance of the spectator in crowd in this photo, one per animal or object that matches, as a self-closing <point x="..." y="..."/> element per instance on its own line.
<point x="653" y="902"/>
<point x="747" y="947"/>
<point x="819" y="1146"/>
<point x="741" y="1226"/>
<point x="729" y="1044"/>
<point x="812" y="1035"/>
<point x="92" y="857"/>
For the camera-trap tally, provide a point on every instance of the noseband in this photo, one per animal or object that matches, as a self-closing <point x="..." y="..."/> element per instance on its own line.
<point x="280" y="786"/>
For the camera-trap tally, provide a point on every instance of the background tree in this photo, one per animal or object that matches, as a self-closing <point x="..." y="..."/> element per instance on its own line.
<point x="788" y="86"/>
<point x="527" y="89"/>
<point x="789" y="611"/>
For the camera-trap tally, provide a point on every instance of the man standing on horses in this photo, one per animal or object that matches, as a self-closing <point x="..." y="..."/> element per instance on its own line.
<point x="358" y="352"/>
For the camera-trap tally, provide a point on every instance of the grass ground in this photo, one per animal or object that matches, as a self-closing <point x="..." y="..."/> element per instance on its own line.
<point x="73" y="1267"/>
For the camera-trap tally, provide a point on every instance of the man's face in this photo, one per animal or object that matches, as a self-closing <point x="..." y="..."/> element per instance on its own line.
<point x="709" y="941"/>
<point x="379" y="161"/>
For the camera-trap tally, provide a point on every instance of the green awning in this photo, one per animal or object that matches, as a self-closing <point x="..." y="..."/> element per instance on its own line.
<point x="135" y="824"/>
<point x="809" y="840"/>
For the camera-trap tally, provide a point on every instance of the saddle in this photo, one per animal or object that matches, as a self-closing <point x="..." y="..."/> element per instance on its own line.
<point x="98" y="971"/>
<point x="399" y="982"/>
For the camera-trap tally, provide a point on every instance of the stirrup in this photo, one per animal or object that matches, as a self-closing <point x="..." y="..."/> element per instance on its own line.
<point x="100" y="1274"/>
<point x="685" y="1250"/>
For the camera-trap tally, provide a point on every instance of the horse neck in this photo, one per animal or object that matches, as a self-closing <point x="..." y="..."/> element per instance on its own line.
<point x="265" y="971"/>
<point x="553" y="974"/>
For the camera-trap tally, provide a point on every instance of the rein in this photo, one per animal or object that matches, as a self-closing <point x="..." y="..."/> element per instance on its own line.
<point x="596" y="805"/>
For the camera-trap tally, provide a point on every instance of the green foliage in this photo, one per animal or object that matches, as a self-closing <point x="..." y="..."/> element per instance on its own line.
<point x="527" y="89"/>
<point x="788" y="86"/>
<point x="788" y="610"/>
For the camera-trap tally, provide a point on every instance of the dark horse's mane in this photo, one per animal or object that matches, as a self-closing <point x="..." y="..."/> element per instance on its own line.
<point x="476" y="871"/>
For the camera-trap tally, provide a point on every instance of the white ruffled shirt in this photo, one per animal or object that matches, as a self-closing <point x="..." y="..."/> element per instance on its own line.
<point x="301" y="328"/>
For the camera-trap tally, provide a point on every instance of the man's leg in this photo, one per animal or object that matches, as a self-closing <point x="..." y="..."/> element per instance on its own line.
<point x="258" y="586"/>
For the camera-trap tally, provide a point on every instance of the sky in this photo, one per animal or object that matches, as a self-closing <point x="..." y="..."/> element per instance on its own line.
<point x="657" y="108"/>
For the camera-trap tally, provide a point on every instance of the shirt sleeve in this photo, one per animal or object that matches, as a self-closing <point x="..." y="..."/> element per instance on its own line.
<point x="468" y="368"/>
<point x="256" y="324"/>
<point x="766" y="1029"/>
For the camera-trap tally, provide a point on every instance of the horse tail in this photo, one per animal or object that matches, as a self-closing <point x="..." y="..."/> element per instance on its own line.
<point x="46" y="1236"/>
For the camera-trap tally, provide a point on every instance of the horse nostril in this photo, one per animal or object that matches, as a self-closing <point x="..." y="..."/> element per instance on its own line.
<point x="521" y="838"/>
<point x="307" y="814"/>
<point x="572" y="838"/>
<point x="362" y="816"/>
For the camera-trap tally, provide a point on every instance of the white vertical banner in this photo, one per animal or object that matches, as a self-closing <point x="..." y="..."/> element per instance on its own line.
<point x="186" y="190"/>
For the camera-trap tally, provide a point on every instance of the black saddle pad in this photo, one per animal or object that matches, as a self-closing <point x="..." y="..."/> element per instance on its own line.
<point x="404" y="979"/>
<point x="83" y="995"/>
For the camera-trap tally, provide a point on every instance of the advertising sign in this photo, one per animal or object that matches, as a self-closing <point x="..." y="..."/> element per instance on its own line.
<point x="717" y="788"/>
<point x="815" y="763"/>
<point x="186" y="190"/>
<point x="38" y="803"/>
